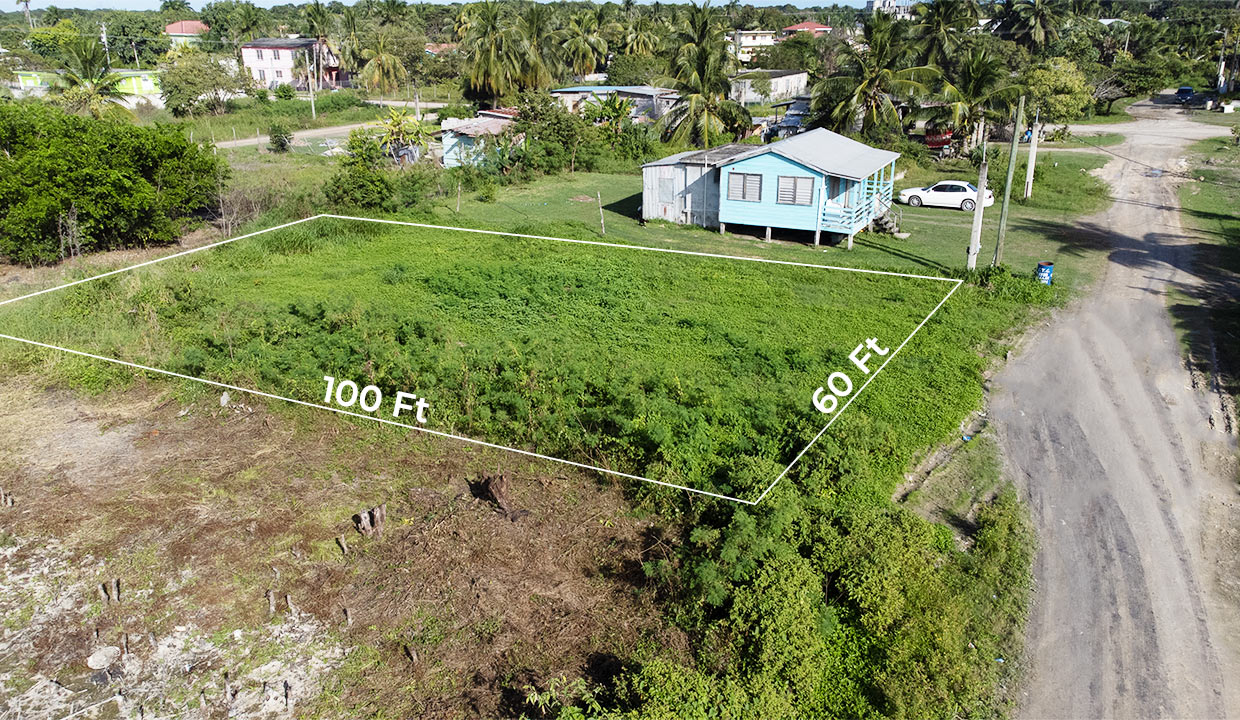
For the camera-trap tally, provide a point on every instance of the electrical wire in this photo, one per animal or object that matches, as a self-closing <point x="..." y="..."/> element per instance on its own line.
<point x="1164" y="171"/>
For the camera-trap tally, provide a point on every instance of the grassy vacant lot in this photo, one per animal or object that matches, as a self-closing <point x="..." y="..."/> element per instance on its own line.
<point x="1209" y="316"/>
<point x="253" y="116"/>
<point x="1118" y="114"/>
<point x="709" y="363"/>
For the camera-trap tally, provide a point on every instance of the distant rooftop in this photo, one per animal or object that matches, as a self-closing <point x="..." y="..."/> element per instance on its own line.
<point x="281" y="43"/>
<point x="186" y="27"/>
<point x="769" y="73"/>
<point x="808" y="25"/>
<point x="711" y="157"/>
<point x="603" y="89"/>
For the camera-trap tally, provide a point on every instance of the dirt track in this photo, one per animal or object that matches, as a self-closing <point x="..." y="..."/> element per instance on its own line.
<point x="1131" y="485"/>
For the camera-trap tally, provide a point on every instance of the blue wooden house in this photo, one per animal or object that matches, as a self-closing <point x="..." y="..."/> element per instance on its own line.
<point x="817" y="181"/>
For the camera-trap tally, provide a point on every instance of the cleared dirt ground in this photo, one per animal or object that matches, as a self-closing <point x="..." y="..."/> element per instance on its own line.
<point x="200" y="509"/>
<point x="1130" y="470"/>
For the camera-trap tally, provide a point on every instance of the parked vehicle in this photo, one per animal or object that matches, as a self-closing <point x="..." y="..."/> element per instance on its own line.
<point x="948" y="193"/>
<point x="1184" y="94"/>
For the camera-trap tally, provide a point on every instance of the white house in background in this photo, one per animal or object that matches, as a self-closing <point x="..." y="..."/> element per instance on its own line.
<point x="649" y="103"/>
<point x="902" y="9"/>
<point x="745" y="42"/>
<point x="785" y="84"/>
<point x="271" y="61"/>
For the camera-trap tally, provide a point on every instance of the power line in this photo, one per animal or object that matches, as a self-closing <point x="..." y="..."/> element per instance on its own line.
<point x="1160" y="170"/>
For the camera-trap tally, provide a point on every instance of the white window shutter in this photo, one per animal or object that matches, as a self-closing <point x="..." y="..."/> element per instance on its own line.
<point x="753" y="187"/>
<point x="805" y="191"/>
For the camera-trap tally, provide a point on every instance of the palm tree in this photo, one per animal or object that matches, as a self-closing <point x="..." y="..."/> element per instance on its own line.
<point x="875" y="75"/>
<point x="247" y="22"/>
<point x="391" y="12"/>
<point x="1035" y="23"/>
<point x="350" y="41"/>
<point x="88" y="84"/>
<point x="1085" y="8"/>
<point x="641" y="37"/>
<point x="462" y="22"/>
<point x="492" y="68"/>
<point x="534" y="43"/>
<point x="941" y="26"/>
<point x="383" y="70"/>
<point x="981" y="89"/>
<point x="319" y="20"/>
<point x="175" y="6"/>
<point x="584" y="45"/>
<point x="701" y="69"/>
<point x="26" y="8"/>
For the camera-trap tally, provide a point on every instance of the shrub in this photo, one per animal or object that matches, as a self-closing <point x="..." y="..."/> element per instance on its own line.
<point x="339" y="100"/>
<point x="284" y="91"/>
<point x="279" y="139"/>
<point x="261" y="96"/>
<point x="360" y="182"/>
<point x="455" y="111"/>
<point x="94" y="185"/>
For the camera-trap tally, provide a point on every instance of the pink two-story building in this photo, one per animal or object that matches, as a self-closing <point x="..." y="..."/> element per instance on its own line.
<point x="276" y="61"/>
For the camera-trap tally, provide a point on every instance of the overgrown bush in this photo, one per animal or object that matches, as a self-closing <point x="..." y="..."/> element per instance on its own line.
<point x="74" y="184"/>
<point x="279" y="139"/>
<point x="284" y="91"/>
<point x="361" y="181"/>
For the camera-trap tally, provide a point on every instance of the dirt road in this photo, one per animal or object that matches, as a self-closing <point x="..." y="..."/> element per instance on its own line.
<point x="1130" y="483"/>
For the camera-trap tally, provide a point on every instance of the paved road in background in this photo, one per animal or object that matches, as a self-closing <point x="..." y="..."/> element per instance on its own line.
<point x="1126" y="474"/>
<point x="334" y="131"/>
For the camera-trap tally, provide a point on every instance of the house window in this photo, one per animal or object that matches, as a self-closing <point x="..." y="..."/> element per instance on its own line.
<point x="262" y="76"/>
<point x="279" y="74"/>
<point x="795" y="190"/>
<point x="275" y="54"/>
<point x="260" y="53"/>
<point x="745" y="186"/>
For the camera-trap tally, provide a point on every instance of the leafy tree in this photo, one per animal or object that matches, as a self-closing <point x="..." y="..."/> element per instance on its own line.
<point x="127" y="186"/>
<point x="284" y="91"/>
<point x="874" y="75"/>
<point x="175" y="7"/>
<point x="195" y="81"/>
<point x="1058" y="90"/>
<point x="52" y="42"/>
<point x="555" y="139"/>
<point x="360" y="182"/>
<point x="796" y="53"/>
<point x="636" y="69"/>
<point x="400" y="130"/>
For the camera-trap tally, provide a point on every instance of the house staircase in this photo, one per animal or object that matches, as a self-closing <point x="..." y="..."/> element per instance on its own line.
<point x="888" y="220"/>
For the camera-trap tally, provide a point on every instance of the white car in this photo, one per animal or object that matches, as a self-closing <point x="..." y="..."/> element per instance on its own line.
<point x="948" y="193"/>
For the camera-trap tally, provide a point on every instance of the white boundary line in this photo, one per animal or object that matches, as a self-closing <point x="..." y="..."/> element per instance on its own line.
<point x="438" y="433"/>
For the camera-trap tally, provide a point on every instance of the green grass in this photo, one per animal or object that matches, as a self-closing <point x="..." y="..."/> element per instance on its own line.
<point x="1118" y="114"/>
<point x="255" y="117"/>
<point x="1208" y="315"/>
<point x="1086" y="140"/>
<point x="702" y="386"/>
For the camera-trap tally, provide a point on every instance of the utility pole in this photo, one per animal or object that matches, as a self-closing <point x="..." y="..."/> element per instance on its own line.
<point x="310" y="84"/>
<point x="1007" y="188"/>
<point x="975" y="237"/>
<point x="1033" y="154"/>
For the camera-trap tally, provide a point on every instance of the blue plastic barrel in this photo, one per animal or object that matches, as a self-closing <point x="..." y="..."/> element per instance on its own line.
<point x="1045" y="271"/>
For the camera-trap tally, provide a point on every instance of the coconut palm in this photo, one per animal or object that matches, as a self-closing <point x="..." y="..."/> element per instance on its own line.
<point x="320" y="22"/>
<point x="391" y="12"/>
<point x="535" y="46"/>
<point x="350" y="40"/>
<point x="640" y="37"/>
<point x="175" y="6"/>
<point x="383" y="70"/>
<point x="462" y="22"/>
<point x="875" y="75"/>
<point x="585" y="45"/>
<point x="492" y="68"/>
<point x="247" y="23"/>
<point x="88" y="85"/>
<point x="26" y="7"/>
<point x="1035" y="23"/>
<point x="941" y="26"/>
<point x="701" y="69"/>
<point x="982" y="89"/>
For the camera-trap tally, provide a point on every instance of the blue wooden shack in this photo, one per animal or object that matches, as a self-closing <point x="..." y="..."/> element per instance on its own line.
<point x="817" y="181"/>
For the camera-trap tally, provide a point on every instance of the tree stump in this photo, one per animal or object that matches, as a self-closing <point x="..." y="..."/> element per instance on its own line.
<point x="497" y="486"/>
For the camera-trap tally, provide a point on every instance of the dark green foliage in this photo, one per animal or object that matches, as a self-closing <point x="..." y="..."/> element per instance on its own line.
<point x="279" y="139"/>
<point x="361" y="181"/>
<point x="636" y="70"/>
<point x="555" y="139"/>
<point x="196" y="82"/>
<point x="125" y="186"/>
<point x="284" y="91"/>
<point x="456" y="111"/>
